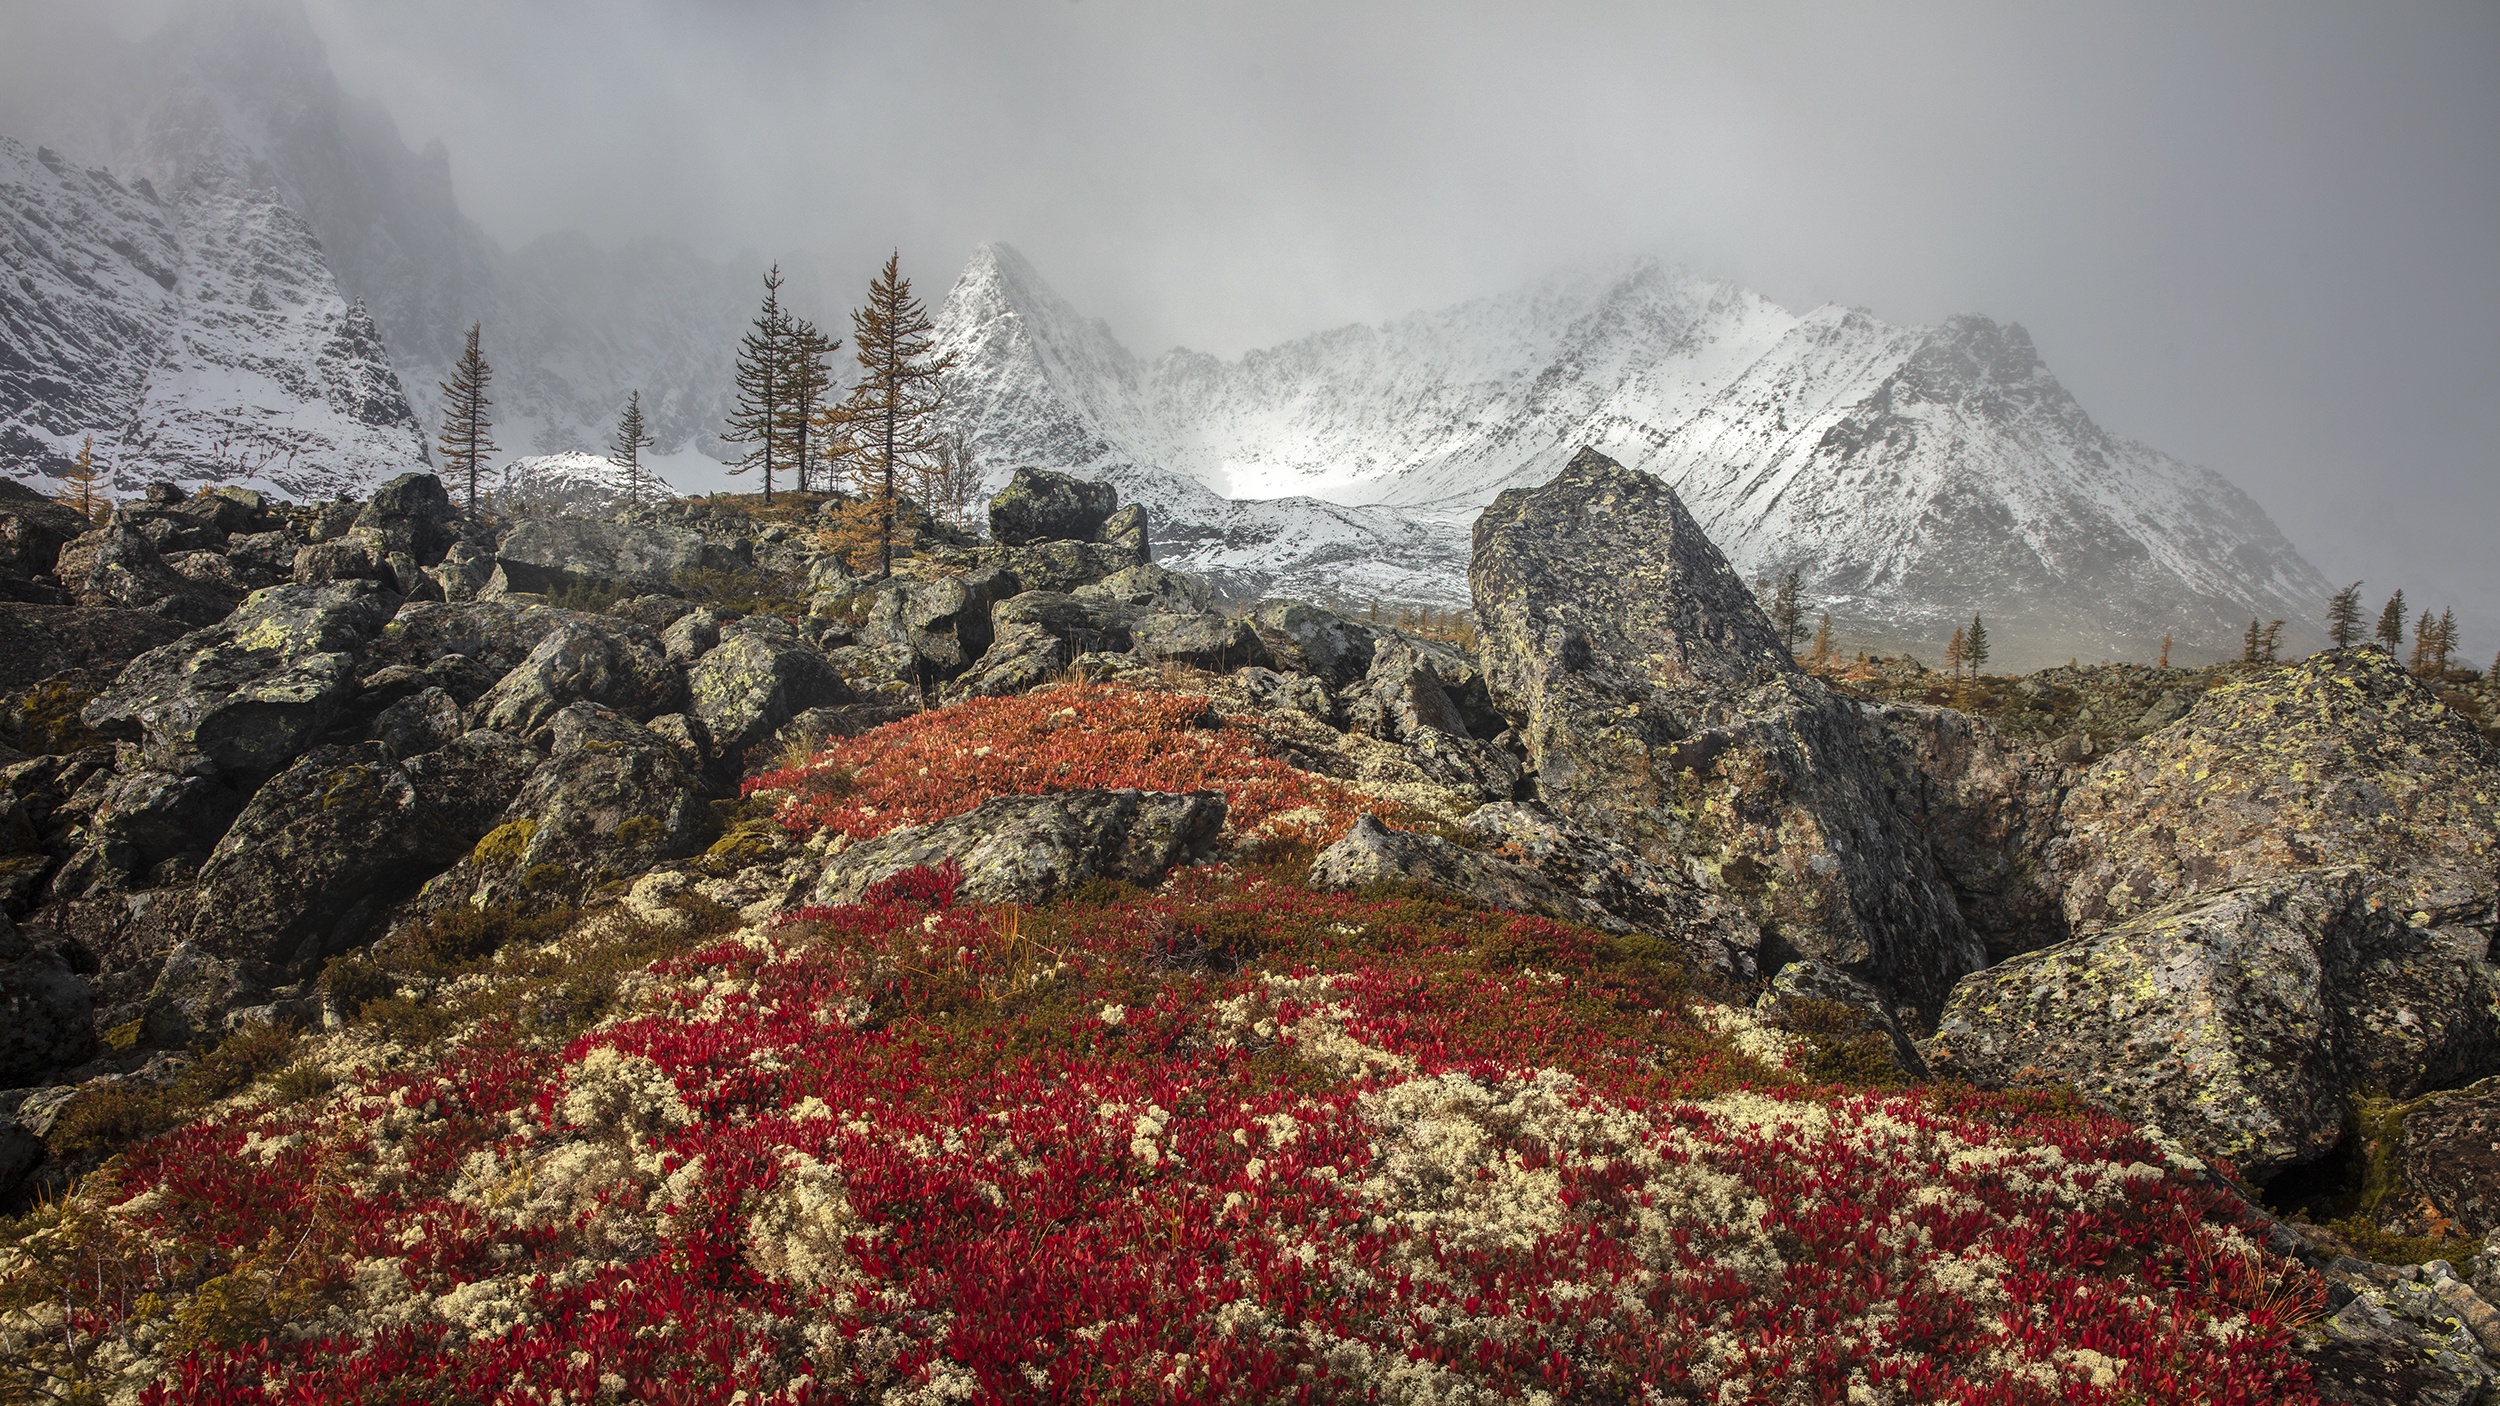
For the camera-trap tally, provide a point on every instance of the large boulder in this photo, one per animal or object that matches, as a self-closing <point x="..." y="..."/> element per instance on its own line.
<point x="45" y="1010"/>
<point x="1066" y="566"/>
<point x="1401" y="696"/>
<point x="246" y="696"/>
<point x="323" y="850"/>
<point x="34" y="528"/>
<point x="1041" y="505"/>
<point x="117" y="567"/>
<point x="40" y="641"/>
<point x="1020" y="659"/>
<point x="1202" y="640"/>
<point x="1713" y="932"/>
<point x="2343" y="759"/>
<point x="412" y="515"/>
<point x="1154" y="589"/>
<point x="1031" y="849"/>
<point x="945" y="622"/>
<point x="546" y="555"/>
<point x="2450" y="1152"/>
<point x="1371" y="853"/>
<point x="1660" y="709"/>
<point x="1307" y="639"/>
<point x="2239" y="1019"/>
<point x="496" y="634"/>
<point x="591" y="659"/>
<point x="611" y="800"/>
<point x="755" y="680"/>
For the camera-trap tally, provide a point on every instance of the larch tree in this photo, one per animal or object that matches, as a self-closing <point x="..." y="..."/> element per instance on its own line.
<point x="2165" y="653"/>
<point x="1788" y="611"/>
<point x="1975" y="646"/>
<point x="2391" y="622"/>
<point x="1821" y="655"/>
<point x="1957" y="651"/>
<point x="2343" y="616"/>
<point x="886" y="431"/>
<point x="625" y="450"/>
<point x="466" y="439"/>
<point x="2447" y="637"/>
<point x="2270" y="641"/>
<point x="82" y="483"/>
<point x="760" y="417"/>
<point x="2250" y="642"/>
<point x="805" y="377"/>
<point x="2425" y="644"/>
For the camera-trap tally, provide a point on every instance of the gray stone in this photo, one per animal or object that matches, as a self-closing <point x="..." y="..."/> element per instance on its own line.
<point x="1086" y="623"/>
<point x="495" y="634"/>
<point x="1989" y="811"/>
<point x="412" y="514"/>
<point x="1401" y="695"/>
<point x="691" y="636"/>
<point x="590" y="659"/>
<point x="2239" y="1019"/>
<point x="46" y="1017"/>
<point x="420" y="722"/>
<point x="1806" y="996"/>
<point x="545" y="555"/>
<point x="878" y="674"/>
<point x="1065" y="566"/>
<point x="945" y="622"/>
<point x="194" y="991"/>
<point x="1660" y="709"/>
<point x="34" y="528"/>
<point x="1216" y="643"/>
<point x="1020" y="658"/>
<point x="1154" y="590"/>
<point x="610" y="801"/>
<point x="1126" y="530"/>
<point x="1712" y="932"/>
<point x="1371" y="853"/>
<point x="1041" y="505"/>
<point x="1310" y="640"/>
<point x="351" y="558"/>
<point x="1031" y="849"/>
<point x="1299" y="692"/>
<point x="117" y="567"/>
<point x="750" y="685"/>
<point x="247" y="695"/>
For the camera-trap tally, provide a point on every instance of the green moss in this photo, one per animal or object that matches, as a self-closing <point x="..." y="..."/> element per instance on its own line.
<point x="546" y="878"/>
<point x="48" y="722"/>
<point x="100" y="1121"/>
<point x="640" y="830"/>
<point x="505" y="844"/>
<point x="123" y="1036"/>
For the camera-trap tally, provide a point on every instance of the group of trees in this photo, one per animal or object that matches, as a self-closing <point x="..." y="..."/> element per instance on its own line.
<point x="467" y="437"/>
<point x="880" y="444"/>
<point x="1968" y="649"/>
<point x="2261" y="643"/>
<point x="2434" y="637"/>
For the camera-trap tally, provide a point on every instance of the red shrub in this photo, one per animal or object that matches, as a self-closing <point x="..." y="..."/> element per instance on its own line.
<point x="945" y="762"/>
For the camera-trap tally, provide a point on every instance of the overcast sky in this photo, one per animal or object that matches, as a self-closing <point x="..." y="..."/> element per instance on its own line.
<point x="2263" y="237"/>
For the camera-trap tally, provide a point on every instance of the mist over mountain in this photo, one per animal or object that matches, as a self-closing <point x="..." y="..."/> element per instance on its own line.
<point x="1912" y="476"/>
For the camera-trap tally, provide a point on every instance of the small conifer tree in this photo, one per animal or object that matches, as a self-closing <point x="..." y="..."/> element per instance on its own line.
<point x="2391" y="622"/>
<point x="626" y="448"/>
<point x="884" y="434"/>
<point x="1788" y="610"/>
<point x="2165" y="652"/>
<point x="2425" y="644"/>
<point x="82" y="483"/>
<point x="466" y="439"/>
<point x="1975" y="646"/>
<point x="2270" y="641"/>
<point x="1956" y="651"/>
<point x="1823" y="649"/>
<point x="2250" y="642"/>
<point x="761" y="414"/>
<point x="805" y="378"/>
<point x="2343" y="617"/>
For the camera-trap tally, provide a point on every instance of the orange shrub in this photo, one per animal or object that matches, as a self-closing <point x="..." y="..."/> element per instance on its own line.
<point x="1076" y="737"/>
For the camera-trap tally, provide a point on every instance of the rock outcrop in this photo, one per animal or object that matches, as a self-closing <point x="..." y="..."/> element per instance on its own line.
<point x="1660" y="709"/>
<point x="1031" y="849"/>
<point x="1039" y="505"/>
<point x="2241" y="1020"/>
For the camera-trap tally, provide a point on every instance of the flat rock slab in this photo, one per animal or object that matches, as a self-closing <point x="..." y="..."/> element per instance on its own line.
<point x="1031" y="849"/>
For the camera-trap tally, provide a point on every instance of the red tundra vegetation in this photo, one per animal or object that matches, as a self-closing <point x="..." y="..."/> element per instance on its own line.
<point x="1227" y="1140"/>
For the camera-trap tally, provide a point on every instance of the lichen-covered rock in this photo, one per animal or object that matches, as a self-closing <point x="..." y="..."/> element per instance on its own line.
<point x="1041" y="505"/>
<point x="1020" y="659"/>
<point x="1031" y="849"/>
<point x="1216" y="643"/>
<point x="324" y="849"/>
<point x="117" y="567"/>
<point x="1660" y="709"/>
<point x="1486" y="771"/>
<point x="1310" y="640"/>
<point x="610" y="801"/>
<point x="2404" y="1335"/>
<point x="1371" y="853"/>
<point x="34" y="528"/>
<point x="359" y="556"/>
<point x="496" y="634"/>
<point x="753" y="682"/>
<point x="38" y="642"/>
<point x="2341" y="759"/>
<point x="1300" y="692"/>
<point x="249" y="694"/>
<point x="2240" y="1020"/>
<point x="1714" y="933"/>
<point x="544" y="555"/>
<point x="691" y="636"/>
<point x="46" y="1012"/>
<point x="145" y="817"/>
<point x="411" y="514"/>
<point x="1125" y="531"/>
<point x="1832" y="1007"/>
<point x="420" y="722"/>
<point x="1401" y="695"/>
<point x="2450" y="1153"/>
<point x="591" y="659"/>
<point x="945" y="622"/>
<point x="1989" y="811"/>
<point x="1065" y="566"/>
<point x="1153" y="589"/>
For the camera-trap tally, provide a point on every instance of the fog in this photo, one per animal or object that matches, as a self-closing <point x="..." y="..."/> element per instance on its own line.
<point x="2259" y="237"/>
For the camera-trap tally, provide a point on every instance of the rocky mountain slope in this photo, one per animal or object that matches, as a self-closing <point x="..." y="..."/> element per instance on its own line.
<point x="1913" y="475"/>
<point x="641" y="956"/>
<point x="195" y="333"/>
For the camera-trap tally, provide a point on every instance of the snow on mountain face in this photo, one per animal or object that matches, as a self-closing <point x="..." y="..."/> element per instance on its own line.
<point x="571" y="480"/>
<point x="199" y="338"/>
<point x="1914" y="476"/>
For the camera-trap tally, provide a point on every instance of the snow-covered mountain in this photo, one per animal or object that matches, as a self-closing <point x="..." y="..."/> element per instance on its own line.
<point x="572" y="480"/>
<point x="195" y="335"/>
<point x="244" y="88"/>
<point x="1913" y="476"/>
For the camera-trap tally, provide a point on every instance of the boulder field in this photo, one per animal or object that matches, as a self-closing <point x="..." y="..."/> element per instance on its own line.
<point x="530" y="839"/>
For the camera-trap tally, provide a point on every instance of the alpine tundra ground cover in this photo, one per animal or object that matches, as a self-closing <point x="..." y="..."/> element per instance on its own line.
<point x="1227" y="1140"/>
